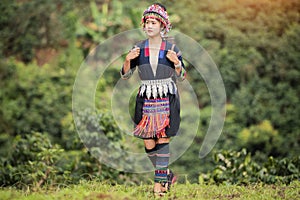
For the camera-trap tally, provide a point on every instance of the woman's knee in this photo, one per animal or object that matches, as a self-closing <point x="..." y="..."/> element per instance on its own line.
<point x="149" y="144"/>
<point x="162" y="140"/>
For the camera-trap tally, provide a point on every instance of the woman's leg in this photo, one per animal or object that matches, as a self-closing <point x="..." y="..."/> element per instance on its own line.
<point x="162" y="162"/>
<point x="158" y="153"/>
<point x="150" y="149"/>
<point x="162" y="140"/>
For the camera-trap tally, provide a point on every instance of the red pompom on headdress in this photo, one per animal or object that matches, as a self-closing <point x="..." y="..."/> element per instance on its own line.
<point x="157" y="12"/>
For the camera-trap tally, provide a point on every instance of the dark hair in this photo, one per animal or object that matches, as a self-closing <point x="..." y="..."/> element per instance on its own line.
<point x="165" y="9"/>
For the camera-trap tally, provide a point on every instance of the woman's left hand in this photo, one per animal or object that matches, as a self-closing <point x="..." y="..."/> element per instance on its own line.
<point x="172" y="56"/>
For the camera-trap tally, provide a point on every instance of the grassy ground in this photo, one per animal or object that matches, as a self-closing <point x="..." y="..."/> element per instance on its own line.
<point x="93" y="190"/>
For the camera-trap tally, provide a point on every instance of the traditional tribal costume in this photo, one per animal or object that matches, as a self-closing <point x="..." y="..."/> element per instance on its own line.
<point x="157" y="110"/>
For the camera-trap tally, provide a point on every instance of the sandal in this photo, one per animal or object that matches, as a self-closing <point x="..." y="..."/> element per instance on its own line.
<point x="171" y="179"/>
<point x="159" y="193"/>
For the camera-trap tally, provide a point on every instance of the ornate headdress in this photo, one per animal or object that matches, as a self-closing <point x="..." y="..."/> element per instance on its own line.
<point x="155" y="11"/>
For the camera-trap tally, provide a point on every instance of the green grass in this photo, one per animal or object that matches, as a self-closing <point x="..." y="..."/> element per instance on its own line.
<point x="96" y="190"/>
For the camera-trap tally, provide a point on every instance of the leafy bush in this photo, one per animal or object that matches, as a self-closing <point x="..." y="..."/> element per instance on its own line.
<point x="31" y="162"/>
<point x="31" y="25"/>
<point x="103" y="137"/>
<point x="33" y="101"/>
<point x="261" y="139"/>
<point x="237" y="167"/>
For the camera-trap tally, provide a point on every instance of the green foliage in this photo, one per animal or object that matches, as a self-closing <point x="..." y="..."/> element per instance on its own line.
<point x="261" y="100"/>
<point x="33" y="100"/>
<point x="34" y="162"/>
<point x="110" y="18"/>
<point x="77" y="165"/>
<point x="238" y="167"/>
<point x="31" y="162"/>
<point x="30" y="25"/>
<point x="103" y="137"/>
<point x="262" y="139"/>
<point x="254" y="44"/>
<point x="70" y="138"/>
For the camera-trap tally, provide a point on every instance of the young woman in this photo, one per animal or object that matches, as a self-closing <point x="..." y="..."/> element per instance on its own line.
<point x="157" y="110"/>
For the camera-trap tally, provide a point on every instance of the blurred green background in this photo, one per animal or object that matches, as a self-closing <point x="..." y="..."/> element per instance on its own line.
<point x="255" y="45"/>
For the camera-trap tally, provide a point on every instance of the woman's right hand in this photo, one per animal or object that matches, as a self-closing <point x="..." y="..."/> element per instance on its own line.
<point x="133" y="53"/>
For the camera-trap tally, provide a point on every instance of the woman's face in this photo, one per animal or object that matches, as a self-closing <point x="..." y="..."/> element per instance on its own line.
<point x="152" y="27"/>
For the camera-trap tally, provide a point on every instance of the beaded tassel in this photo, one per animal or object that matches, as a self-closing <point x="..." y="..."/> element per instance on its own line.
<point x="148" y="91"/>
<point x="142" y="90"/>
<point x="157" y="88"/>
<point x="165" y="89"/>
<point x="154" y="91"/>
<point x="160" y="90"/>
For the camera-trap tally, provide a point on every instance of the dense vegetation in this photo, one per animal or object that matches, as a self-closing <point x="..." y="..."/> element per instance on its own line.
<point x="255" y="45"/>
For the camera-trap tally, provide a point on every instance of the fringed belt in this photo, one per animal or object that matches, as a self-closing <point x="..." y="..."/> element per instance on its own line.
<point x="155" y="118"/>
<point x="157" y="88"/>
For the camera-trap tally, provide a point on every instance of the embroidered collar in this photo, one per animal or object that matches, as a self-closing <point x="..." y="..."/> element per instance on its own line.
<point x="161" y="51"/>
